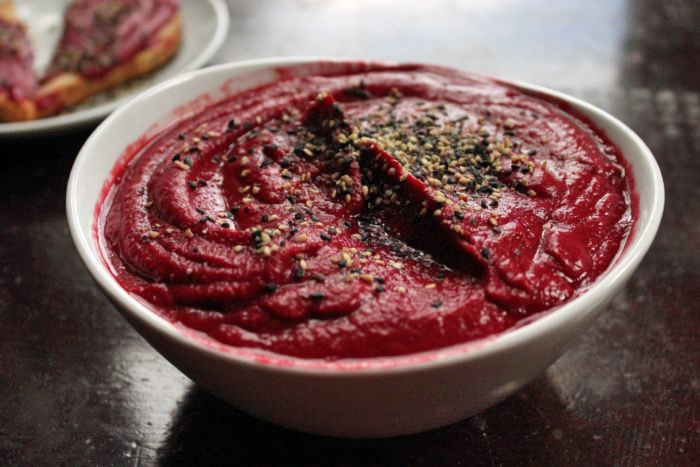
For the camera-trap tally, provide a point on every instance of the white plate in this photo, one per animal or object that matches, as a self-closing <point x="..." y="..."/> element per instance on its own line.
<point x="205" y="24"/>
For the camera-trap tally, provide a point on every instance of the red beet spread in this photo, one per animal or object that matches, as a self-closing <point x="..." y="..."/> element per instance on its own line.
<point x="99" y="35"/>
<point x="378" y="212"/>
<point x="17" y="77"/>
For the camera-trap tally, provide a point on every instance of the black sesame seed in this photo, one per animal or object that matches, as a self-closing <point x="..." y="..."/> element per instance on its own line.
<point x="202" y="182"/>
<point x="265" y="218"/>
<point x="270" y="286"/>
<point x="317" y="296"/>
<point x="436" y="304"/>
<point x="486" y="253"/>
<point x="325" y="237"/>
<point x="269" y="149"/>
<point x="192" y="185"/>
<point x="356" y="92"/>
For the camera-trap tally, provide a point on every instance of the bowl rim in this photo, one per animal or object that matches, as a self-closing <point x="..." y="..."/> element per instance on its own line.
<point x="636" y="247"/>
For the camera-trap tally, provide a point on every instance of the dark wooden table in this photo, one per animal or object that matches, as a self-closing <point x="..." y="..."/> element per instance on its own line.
<point x="79" y="387"/>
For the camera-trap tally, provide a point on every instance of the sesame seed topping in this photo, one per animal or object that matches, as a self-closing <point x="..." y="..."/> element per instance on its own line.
<point x="181" y="165"/>
<point x="367" y="278"/>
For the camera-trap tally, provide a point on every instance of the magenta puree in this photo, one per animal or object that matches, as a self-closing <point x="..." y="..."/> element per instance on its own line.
<point x="380" y="211"/>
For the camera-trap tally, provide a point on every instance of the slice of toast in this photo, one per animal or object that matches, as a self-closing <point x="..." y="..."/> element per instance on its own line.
<point x="18" y="81"/>
<point x="106" y="43"/>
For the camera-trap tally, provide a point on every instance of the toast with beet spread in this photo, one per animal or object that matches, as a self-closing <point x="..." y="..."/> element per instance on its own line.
<point x="104" y="44"/>
<point x="18" y="81"/>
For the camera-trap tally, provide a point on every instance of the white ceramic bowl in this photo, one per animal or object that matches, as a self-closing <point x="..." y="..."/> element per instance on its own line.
<point x="351" y="398"/>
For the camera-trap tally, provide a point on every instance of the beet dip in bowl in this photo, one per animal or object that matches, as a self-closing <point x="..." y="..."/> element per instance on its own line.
<point x="361" y="249"/>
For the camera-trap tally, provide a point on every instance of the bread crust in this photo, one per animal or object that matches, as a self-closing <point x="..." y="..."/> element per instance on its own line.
<point x="7" y="9"/>
<point x="16" y="111"/>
